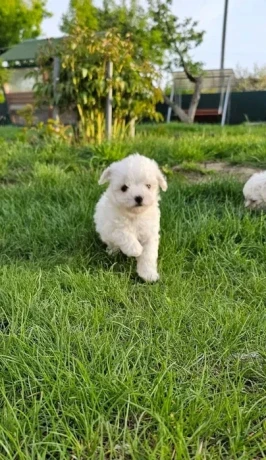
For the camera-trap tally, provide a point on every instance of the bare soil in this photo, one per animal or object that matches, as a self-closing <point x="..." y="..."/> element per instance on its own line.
<point x="204" y="172"/>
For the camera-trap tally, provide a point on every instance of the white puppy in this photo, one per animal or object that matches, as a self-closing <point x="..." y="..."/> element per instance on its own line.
<point x="127" y="216"/>
<point x="255" y="191"/>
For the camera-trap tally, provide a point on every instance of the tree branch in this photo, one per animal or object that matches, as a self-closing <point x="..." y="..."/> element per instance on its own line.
<point x="183" y="64"/>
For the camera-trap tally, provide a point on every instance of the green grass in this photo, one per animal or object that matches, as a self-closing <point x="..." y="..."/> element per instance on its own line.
<point x="176" y="142"/>
<point x="9" y="132"/>
<point x="95" y="363"/>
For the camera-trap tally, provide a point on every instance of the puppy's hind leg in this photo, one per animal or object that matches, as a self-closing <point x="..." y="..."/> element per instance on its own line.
<point x="147" y="261"/>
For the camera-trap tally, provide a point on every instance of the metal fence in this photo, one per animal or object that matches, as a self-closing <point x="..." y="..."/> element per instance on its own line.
<point x="246" y="106"/>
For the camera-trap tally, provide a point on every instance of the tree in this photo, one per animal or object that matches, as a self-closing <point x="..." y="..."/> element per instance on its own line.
<point x="20" y="20"/>
<point x="158" y="36"/>
<point x="127" y="19"/>
<point x="247" y="80"/>
<point x="179" y="39"/>
<point x="3" y="80"/>
<point x="81" y="12"/>
<point x="83" y="85"/>
<point x="131" y="18"/>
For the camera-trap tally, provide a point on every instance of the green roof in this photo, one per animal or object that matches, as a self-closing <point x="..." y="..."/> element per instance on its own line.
<point x="26" y="51"/>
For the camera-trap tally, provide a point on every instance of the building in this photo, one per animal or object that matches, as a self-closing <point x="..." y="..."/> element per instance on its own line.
<point x="18" y="92"/>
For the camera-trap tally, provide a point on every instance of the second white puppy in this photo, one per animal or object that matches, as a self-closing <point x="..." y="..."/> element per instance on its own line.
<point x="255" y="191"/>
<point x="127" y="216"/>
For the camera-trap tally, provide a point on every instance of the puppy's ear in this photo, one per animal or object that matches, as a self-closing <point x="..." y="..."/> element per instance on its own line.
<point x="162" y="181"/>
<point x="105" y="177"/>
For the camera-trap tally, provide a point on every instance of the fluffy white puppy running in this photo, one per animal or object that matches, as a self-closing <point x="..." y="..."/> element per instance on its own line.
<point x="255" y="191"/>
<point x="127" y="216"/>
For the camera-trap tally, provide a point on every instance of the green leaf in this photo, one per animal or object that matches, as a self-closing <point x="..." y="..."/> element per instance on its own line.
<point x="84" y="72"/>
<point x="85" y="98"/>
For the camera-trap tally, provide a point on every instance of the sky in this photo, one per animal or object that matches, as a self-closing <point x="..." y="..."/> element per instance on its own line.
<point x="245" y="29"/>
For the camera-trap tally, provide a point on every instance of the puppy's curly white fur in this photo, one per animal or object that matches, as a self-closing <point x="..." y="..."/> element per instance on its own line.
<point x="255" y="191"/>
<point x="127" y="216"/>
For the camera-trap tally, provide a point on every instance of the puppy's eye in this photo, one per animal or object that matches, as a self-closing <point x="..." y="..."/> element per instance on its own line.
<point x="124" y="188"/>
<point x="148" y="185"/>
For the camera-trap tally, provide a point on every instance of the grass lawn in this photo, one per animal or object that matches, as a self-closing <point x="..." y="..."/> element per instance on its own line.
<point x="96" y="364"/>
<point x="9" y="132"/>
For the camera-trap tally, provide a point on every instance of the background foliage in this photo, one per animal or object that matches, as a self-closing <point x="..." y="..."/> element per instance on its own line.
<point x="83" y="85"/>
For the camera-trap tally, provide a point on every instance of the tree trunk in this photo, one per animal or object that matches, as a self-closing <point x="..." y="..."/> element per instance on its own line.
<point x="195" y="100"/>
<point x="180" y="113"/>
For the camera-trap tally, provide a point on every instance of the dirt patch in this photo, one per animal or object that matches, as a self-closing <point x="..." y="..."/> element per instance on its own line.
<point x="204" y="172"/>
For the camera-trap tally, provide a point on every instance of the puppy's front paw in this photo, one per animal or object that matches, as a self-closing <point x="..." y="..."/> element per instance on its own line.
<point x="134" y="250"/>
<point x="112" y="250"/>
<point x="148" y="274"/>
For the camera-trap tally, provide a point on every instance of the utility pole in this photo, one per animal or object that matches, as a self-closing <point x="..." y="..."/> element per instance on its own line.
<point x="222" y="56"/>
<point x="224" y="34"/>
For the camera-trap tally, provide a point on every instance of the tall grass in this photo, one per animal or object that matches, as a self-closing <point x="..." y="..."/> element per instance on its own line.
<point x="95" y="363"/>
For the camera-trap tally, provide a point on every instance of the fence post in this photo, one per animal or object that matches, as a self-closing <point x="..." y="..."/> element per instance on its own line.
<point x="169" y="111"/>
<point x="56" y="72"/>
<point x="109" y="101"/>
<point x="132" y="127"/>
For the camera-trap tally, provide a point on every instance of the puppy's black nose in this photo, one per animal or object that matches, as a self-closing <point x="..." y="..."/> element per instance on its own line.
<point x="138" y="199"/>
